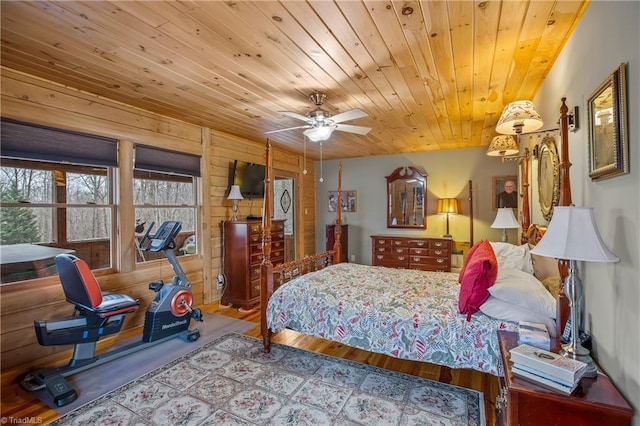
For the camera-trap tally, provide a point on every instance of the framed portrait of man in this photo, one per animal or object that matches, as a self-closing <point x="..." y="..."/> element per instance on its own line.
<point x="505" y="192"/>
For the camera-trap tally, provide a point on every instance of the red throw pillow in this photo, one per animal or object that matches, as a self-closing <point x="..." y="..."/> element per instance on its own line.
<point x="479" y="273"/>
<point x="469" y="256"/>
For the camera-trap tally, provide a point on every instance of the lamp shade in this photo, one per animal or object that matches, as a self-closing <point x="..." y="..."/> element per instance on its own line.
<point x="505" y="219"/>
<point x="573" y="235"/>
<point x="234" y="193"/>
<point x="319" y="134"/>
<point x="519" y="117"/>
<point x="502" y="145"/>
<point x="448" y="205"/>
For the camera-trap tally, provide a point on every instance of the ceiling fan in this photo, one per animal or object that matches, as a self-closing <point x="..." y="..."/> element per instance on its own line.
<point x="321" y="125"/>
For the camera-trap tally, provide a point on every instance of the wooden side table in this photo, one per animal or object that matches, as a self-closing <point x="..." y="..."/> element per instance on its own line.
<point x="596" y="401"/>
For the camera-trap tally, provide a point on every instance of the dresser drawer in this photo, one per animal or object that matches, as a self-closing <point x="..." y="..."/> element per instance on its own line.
<point x="440" y="244"/>
<point x="389" y="257"/>
<point x="382" y="242"/>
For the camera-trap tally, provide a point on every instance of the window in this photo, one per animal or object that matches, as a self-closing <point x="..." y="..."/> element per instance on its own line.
<point x="56" y="195"/>
<point x="165" y="188"/>
<point x="59" y="208"/>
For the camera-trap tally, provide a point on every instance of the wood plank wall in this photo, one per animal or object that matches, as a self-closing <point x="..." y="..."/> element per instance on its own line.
<point x="39" y="101"/>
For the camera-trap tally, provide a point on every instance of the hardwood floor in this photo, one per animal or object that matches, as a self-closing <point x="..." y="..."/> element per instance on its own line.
<point x="18" y="404"/>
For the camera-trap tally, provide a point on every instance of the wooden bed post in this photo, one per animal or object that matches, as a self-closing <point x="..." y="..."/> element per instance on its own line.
<point x="337" y="241"/>
<point x="525" y="218"/>
<point x="266" y="267"/>
<point x="470" y="214"/>
<point x="562" y="312"/>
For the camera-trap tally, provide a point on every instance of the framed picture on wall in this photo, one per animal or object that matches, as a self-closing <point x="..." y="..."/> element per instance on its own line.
<point x="348" y="201"/>
<point x="505" y="192"/>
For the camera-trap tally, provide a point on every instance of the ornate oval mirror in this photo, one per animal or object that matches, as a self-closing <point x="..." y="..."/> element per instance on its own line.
<point x="406" y="190"/>
<point x="548" y="176"/>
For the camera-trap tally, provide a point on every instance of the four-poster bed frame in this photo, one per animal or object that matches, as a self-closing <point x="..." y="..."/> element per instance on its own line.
<point x="273" y="277"/>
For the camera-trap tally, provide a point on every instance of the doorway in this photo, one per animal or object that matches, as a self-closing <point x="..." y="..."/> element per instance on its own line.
<point x="284" y="208"/>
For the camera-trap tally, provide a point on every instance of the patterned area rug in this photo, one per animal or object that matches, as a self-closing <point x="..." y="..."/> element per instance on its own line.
<point x="230" y="381"/>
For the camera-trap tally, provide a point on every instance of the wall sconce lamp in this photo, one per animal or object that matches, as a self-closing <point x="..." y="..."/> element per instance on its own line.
<point x="502" y="145"/>
<point x="448" y="206"/>
<point x="236" y="196"/>
<point x="505" y="220"/>
<point x="519" y="117"/>
<point x="574" y="121"/>
<point x="573" y="235"/>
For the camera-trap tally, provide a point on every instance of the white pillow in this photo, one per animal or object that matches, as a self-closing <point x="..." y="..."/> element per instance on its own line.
<point x="506" y="311"/>
<point x="512" y="256"/>
<point x="524" y="290"/>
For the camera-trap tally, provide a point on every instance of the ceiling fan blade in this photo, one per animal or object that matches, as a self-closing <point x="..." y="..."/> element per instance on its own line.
<point x="352" y="114"/>
<point x="295" y="115"/>
<point x="288" y="128"/>
<point x="361" y="130"/>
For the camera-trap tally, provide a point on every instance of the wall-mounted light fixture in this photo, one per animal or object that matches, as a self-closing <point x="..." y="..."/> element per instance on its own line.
<point x="574" y="121"/>
<point x="519" y="117"/>
<point x="502" y="145"/>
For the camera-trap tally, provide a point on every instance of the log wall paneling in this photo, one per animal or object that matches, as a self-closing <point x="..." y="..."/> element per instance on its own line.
<point x="43" y="102"/>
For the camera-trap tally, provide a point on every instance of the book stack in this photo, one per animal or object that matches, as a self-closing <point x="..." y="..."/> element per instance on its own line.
<point x="547" y="368"/>
<point x="534" y="334"/>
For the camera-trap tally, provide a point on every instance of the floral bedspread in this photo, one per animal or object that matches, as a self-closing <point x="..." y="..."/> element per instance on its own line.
<point x="403" y="313"/>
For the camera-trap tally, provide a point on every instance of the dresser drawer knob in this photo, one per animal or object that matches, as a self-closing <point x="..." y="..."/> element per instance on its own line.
<point x="381" y="249"/>
<point x="420" y="243"/>
<point x="379" y="257"/>
<point x="418" y="251"/>
<point x="401" y="257"/>
<point x="438" y="252"/>
<point x="440" y="260"/>
<point x="438" y="244"/>
<point x="397" y="243"/>
<point x="382" y="241"/>
<point x="399" y="250"/>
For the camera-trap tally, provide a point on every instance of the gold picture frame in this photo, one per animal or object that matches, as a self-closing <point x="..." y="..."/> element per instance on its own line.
<point x="348" y="201"/>
<point x="607" y="123"/>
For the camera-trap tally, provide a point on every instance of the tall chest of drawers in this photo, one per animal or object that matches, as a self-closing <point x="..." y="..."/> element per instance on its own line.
<point x="242" y="242"/>
<point x="427" y="254"/>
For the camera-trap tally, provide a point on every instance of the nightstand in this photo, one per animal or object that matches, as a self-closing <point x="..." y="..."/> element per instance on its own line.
<point x="520" y="402"/>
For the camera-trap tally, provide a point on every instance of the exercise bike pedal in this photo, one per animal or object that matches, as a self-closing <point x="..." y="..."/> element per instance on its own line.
<point x="60" y="390"/>
<point x="197" y="315"/>
<point x="156" y="285"/>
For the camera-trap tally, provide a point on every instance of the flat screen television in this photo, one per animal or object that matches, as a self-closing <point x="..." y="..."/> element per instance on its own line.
<point x="250" y="178"/>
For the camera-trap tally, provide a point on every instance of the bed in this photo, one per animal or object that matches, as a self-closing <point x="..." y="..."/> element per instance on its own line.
<point x="406" y="314"/>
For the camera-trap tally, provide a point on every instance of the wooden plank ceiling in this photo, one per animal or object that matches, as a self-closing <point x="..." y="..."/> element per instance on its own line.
<point x="430" y="74"/>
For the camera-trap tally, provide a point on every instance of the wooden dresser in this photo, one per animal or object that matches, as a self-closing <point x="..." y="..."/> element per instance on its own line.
<point x="242" y="249"/>
<point x="595" y="402"/>
<point x="409" y="252"/>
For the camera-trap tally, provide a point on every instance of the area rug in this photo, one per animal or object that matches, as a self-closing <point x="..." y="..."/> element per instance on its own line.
<point x="230" y="381"/>
<point x="95" y="382"/>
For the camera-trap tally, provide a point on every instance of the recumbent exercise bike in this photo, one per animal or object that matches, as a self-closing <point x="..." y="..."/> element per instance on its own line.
<point x="97" y="314"/>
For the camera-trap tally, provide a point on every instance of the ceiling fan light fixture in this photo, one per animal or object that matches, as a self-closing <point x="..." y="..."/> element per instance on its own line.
<point x="319" y="134"/>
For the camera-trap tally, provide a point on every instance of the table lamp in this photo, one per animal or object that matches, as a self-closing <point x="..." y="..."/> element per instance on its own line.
<point x="236" y="196"/>
<point x="448" y="206"/>
<point x="505" y="220"/>
<point x="572" y="235"/>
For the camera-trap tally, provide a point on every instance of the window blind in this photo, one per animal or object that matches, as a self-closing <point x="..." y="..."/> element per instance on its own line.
<point x="28" y="141"/>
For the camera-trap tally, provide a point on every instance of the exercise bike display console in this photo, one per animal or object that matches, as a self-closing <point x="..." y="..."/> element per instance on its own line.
<point x="97" y="314"/>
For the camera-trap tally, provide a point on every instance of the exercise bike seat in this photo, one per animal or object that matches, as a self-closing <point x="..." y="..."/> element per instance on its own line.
<point x="82" y="289"/>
